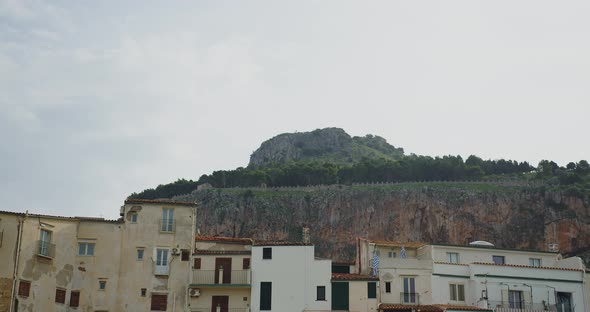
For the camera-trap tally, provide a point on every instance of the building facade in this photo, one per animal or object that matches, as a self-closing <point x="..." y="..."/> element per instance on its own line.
<point x="477" y="276"/>
<point x="287" y="277"/>
<point x="140" y="262"/>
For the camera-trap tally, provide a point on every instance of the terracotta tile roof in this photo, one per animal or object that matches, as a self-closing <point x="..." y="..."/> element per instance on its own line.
<point x="222" y="252"/>
<point x="527" y="266"/>
<point x="407" y="307"/>
<point x="461" y="308"/>
<point x="159" y="201"/>
<point x="428" y="307"/>
<point x="343" y="262"/>
<point x="353" y="277"/>
<point x="441" y="262"/>
<point x="33" y="215"/>
<point x="280" y="243"/>
<point x="222" y="239"/>
<point x="397" y="243"/>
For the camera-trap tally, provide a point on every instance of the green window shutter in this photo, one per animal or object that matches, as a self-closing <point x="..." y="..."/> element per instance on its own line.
<point x="372" y="290"/>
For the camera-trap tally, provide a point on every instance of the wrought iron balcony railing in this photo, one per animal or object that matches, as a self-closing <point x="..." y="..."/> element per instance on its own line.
<point x="167" y="225"/>
<point x="45" y="249"/>
<point x="409" y="298"/>
<point x="217" y="277"/>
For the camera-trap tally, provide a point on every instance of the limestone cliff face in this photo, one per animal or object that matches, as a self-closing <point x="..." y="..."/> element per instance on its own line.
<point x="455" y="213"/>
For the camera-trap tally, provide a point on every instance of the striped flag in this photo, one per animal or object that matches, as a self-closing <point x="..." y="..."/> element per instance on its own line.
<point x="403" y="252"/>
<point x="375" y="263"/>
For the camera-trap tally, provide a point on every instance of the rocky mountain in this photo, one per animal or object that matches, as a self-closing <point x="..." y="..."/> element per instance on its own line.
<point x="512" y="215"/>
<point x="332" y="145"/>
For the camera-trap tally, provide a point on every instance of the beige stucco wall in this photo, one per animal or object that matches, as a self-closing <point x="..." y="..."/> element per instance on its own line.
<point x="66" y="269"/>
<point x="135" y="275"/>
<point x="9" y="230"/>
<point x="236" y="298"/>
<point x="358" y="297"/>
<point x="470" y="255"/>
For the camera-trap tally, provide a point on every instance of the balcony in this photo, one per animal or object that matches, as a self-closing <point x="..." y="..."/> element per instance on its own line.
<point x="409" y="298"/>
<point x="218" y="309"/>
<point x="500" y="306"/>
<point x="45" y="249"/>
<point x="167" y="225"/>
<point x="217" y="278"/>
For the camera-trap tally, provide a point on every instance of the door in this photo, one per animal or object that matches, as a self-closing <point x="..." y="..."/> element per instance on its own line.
<point x="220" y="301"/>
<point x="410" y="295"/>
<point x="161" y="261"/>
<point x="340" y="296"/>
<point x="45" y="240"/>
<point x="225" y="264"/>
<point x="564" y="302"/>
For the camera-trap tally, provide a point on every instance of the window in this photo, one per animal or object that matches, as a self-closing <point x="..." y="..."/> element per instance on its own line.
<point x="60" y="295"/>
<point x="24" y="288"/>
<point x="388" y="287"/>
<point x="410" y="295"/>
<point x="140" y="252"/>
<point x="391" y="254"/>
<point x="267" y="253"/>
<point x="321" y="293"/>
<point x="134" y="217"/>
<point x="515" y="299"/>
<point x="452" y="257"/>
<point x="498" y="259"/>
<point x="197" y="264"/>
<point x="246" y="264"/>
<point x="45" y="248"/>
<point x="167" y="220"/>
<point x="371" y="290"/>
<point x="265" y="296"/>
<point x="535" y="262"/>
<point x="85" y="249"/>
<point x="161" y="261"/>
<point x="143" y="292"/>
<point x="74" y="299"/>
<point x="185" y="255"/>
<point x="159" y="302"/>
<point x="102" y="285"/>
<point x="457" y="292"/>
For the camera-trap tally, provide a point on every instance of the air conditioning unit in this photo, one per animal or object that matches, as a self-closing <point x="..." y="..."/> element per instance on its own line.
<point x="195" y="292"/>
<point x="175" y="251"/>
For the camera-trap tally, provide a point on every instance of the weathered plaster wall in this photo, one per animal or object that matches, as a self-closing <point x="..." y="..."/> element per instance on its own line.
<point x="9" y="232"/>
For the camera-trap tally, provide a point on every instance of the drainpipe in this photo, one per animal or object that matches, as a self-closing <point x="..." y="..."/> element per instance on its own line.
<point x="584" y="288"/>
<point x="19" y="235"/>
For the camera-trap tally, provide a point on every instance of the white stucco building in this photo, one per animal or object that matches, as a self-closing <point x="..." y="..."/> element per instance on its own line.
<point x="473" y="277"/>
<point x="287" y="277"/>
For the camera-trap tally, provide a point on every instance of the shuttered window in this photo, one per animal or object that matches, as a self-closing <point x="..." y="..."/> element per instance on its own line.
<point x="321" y="293"/>
<point x="372" y="290"/>
<point x="185" y="255"/>
<point x="74" y="299"/>
<point x="388" y="287"/>
<point x="159" y="302"/>
<point x="24" y="288"/>
<point x="60" y="295"/>
<point x="265" y="296"/>
<point x="197" y="264"/>
<point x="246" y="263"/>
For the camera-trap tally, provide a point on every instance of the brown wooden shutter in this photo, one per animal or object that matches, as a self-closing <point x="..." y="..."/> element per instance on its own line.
<point x="159" y="302"/>
<point x="246" y="263"/>
<point x="197" y="265"/>
<point x="185" y="255"/>
<point x="60" y="295"/>
<point x="74" y="299"/>
<point x="24" y="288"/>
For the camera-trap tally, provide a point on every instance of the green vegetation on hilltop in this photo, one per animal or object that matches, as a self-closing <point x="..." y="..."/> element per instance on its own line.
<point x="330" y="156"/>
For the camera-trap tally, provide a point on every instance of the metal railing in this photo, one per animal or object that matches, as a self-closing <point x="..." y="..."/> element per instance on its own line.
<point x="45" y="249"/>
<point x="409" y="298"/>
<point x="500" y="306"/>
<point x="220" y="309"/>
<point x="212" y="277"/>
<point x="167" y="225"/>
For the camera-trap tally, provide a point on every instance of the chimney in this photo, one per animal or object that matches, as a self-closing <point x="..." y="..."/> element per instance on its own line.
<point x="305" y="235"/>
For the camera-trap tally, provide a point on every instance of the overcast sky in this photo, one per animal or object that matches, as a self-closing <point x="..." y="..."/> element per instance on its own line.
<point x="99" y="99"/>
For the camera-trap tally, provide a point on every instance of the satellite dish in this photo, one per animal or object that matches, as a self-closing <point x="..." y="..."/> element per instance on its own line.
<point x="481" y="243"/>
